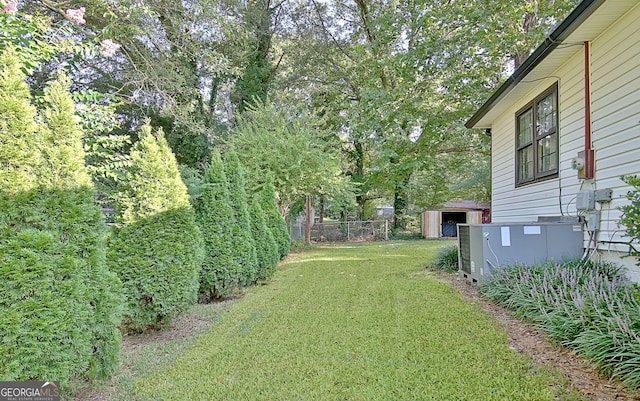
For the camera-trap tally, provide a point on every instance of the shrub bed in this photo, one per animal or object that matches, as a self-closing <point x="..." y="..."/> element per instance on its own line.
<point x="589" y="306"/>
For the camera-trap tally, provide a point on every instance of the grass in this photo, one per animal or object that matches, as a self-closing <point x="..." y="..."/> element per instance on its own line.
<point x="350" y="322"/>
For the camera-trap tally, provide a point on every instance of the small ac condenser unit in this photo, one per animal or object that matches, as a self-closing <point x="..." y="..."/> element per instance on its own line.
<point x="485" y="247"/>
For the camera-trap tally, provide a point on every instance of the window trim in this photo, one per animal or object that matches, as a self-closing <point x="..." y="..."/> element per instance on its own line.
<point x="548" y="174"/>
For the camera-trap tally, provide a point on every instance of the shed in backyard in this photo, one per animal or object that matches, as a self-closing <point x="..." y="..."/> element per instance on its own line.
<point x="443" y="222"/>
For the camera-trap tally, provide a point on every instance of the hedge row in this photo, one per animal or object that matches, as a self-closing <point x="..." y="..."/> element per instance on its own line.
<point x="240" y="245"/>
<point x="273" y="217"/>
<point x="59" y="305"/>
<point x="69" y="288"/>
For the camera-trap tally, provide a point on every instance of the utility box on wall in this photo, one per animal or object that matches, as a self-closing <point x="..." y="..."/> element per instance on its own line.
<point x="485" y="247"/>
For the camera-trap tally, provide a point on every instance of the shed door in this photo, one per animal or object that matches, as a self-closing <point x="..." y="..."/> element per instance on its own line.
<point x="450" y="220"/>
<point x="431" y="224"/>
<point x="474" y="217"/>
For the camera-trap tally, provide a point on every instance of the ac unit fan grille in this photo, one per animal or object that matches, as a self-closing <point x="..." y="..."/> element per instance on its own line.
<point x="464" y="246"/>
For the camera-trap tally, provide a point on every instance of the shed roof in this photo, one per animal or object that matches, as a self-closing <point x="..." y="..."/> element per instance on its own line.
<point x="467" y="204"/>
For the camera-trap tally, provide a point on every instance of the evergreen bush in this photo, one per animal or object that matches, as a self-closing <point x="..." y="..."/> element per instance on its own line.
<point x="221" y="270"/>
<point x="244" y="246"/>
<point x="156" y="248"/>
<point x="59" y="305"/>
<point x="275" y="221"/>
<point x="19" y="148"/>
<point x="266" y="247"/>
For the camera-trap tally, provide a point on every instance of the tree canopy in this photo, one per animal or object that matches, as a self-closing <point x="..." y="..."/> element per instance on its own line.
<point x="371" y="94"/>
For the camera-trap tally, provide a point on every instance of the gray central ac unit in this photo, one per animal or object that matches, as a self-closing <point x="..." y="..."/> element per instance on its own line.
<point x="485" y="247"/>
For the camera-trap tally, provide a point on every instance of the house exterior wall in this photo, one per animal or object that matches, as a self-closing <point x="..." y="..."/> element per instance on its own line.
<point x="615" y="116"/>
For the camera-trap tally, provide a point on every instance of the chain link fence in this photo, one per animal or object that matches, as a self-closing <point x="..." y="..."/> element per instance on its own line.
<point x="370" y="230"/>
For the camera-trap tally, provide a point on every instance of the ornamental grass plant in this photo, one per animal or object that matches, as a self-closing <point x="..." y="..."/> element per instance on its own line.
<point x="590" y="306"/>
<point x="447" y="258"/>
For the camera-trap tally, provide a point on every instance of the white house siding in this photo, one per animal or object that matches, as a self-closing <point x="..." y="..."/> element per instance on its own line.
<point x="615" y="88"/>
<point x="615" y="110"/>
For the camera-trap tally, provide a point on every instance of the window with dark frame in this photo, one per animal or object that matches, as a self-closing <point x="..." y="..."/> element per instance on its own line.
<point x="537" y="139"/>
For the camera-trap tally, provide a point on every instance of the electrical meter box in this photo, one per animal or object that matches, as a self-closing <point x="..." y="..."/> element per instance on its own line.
<point x="484" y="248"/>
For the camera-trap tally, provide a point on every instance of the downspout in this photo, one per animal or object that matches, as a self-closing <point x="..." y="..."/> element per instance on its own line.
<point x="589" y="154"/>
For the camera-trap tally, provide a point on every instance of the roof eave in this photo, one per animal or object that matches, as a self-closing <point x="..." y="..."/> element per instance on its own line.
<point x="580" y="13"/>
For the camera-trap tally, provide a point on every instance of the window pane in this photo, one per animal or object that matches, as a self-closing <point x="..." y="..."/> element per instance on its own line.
<point x="525" y="160"/>
<point x="546" y="114"/>
<point x="525" y="128"/>
<point x="547" y="154"/>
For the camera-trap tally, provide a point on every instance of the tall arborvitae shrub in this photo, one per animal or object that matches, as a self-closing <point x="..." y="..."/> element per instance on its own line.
<point x="275" y="221"/>
<point x="266" y="247"/>
<point x="244" y="247"/>
<point x="221" y="269"/>
<point x="156" y="248"/>
<point x="19" y="144"/>
<point x="81" y="221"/>
<point x="59" y="306"/>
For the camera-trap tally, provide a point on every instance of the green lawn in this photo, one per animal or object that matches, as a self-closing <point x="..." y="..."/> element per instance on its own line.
<point x="351" y="322"/>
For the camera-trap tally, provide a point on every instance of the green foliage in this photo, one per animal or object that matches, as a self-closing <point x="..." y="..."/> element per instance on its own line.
<point x="221" y="270"/>
<point x="254" y="83"/>
<point x="59" y="305"/>
<point x="631" y="214"/>
<point x="589" y="306"/>
<point x="181" y="71"/>
<point x="64" y="169"/>
<point x="156" y="249"/>
<point x="63" y="152"/>
<point x="266" y="247"/>
<point x="107" y="152"/>
<point x="447" y="258"/>
<point x="245" y="248"/>
<point x="38" y="41"/>
<point x="293" y="147"/>
<point x="153" y="183"/>
<point x="193" y="180"/>
<point x="18" y="149"/>
<point x="276" y="223"/>
<point x="158" y="259"/>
